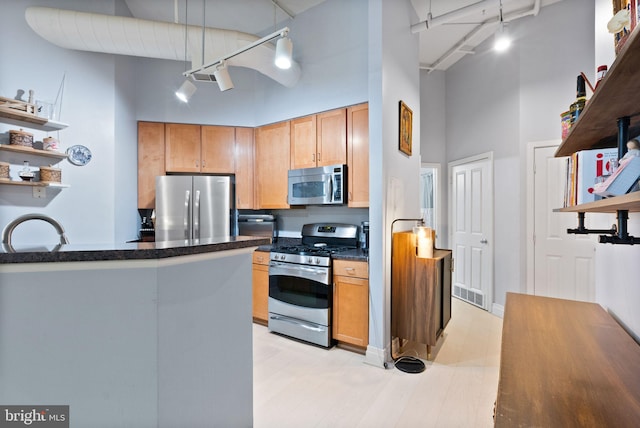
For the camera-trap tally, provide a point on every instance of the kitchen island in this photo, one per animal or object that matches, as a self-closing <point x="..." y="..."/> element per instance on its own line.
<point x="137" y="334"/>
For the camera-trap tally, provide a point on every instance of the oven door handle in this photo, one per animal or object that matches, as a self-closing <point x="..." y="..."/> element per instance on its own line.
<point x="296" y="322"/>
<point x="295" y="271"/>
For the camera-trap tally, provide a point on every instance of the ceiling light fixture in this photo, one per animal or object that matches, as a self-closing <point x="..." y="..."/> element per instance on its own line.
<point x="222" y="77"/>
<point x="286" y="51"/>
<point x="502" y="40"/>
<point x="187" y="89"/>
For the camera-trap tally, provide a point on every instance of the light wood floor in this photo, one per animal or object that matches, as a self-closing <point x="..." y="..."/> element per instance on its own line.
<point x="298" y="385"/>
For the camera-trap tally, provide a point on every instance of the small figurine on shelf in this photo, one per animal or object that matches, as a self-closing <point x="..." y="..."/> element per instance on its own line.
<point x="633" y="148"/>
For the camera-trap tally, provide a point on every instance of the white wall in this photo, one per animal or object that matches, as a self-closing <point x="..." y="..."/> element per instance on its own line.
<point x="393" y="76"/>
<point x="502" y="102"/>
<point x="86" y="209"/>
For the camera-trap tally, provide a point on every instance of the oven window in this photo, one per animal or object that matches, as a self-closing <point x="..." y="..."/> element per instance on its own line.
<point x="308" y="189"/>
<point x="300" y="291"/>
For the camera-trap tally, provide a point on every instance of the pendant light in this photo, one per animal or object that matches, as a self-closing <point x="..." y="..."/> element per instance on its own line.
<point x="502" y="40"/>
<point x="187" y="89"/>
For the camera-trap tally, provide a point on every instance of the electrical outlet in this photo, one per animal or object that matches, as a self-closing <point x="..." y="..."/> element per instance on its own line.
<point x="39" y="192"/>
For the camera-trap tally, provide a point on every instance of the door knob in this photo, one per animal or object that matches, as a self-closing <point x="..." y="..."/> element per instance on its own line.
<point x="484" y="241"/>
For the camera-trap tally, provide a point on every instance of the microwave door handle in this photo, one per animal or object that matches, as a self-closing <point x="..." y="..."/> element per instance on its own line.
<point x="331" y="188"/>
<point x="196" y="215"/>
<point x="187" y="213"/>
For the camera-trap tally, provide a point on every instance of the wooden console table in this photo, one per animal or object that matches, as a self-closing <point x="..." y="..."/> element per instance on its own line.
<point x="421" y="292"/>
<point x="566" y="364"/>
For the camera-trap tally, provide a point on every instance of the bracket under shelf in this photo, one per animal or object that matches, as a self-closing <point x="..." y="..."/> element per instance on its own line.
<point x="616" y="235"/>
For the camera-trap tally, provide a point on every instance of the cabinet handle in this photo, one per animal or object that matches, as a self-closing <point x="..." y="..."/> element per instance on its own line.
<point x="319" y="157"/>
<point x="260" y="258"/>
<point x="313" y="157"/>
<point x="350" y="270"/>
<point x="204" y="163"/>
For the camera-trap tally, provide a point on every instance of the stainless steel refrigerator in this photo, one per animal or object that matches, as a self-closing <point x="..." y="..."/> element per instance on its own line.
<point x="194" y="207"/>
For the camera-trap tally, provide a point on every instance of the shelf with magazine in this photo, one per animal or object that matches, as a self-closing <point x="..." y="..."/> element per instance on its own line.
<point x="610" y="119"/>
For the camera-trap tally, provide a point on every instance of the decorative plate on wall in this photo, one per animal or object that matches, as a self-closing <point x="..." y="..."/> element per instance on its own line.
<point x="79" y="155"/>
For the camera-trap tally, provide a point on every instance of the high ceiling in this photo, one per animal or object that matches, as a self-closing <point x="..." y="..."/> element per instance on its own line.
<point x="456" y="26"/>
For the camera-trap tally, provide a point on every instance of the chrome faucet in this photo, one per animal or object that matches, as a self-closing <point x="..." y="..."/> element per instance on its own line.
<point x="8" y="230"/>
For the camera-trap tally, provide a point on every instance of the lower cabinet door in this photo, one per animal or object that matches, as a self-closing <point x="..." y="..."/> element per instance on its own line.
<point x="351" y="310"/>
<point x="260" y="292"/>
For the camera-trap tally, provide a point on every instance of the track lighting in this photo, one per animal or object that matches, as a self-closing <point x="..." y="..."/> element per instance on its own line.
<point x="283" y="60"/>
<point x="186" y="91"/>
<point x="222" y="77"/>
<point x="284" y="49"/>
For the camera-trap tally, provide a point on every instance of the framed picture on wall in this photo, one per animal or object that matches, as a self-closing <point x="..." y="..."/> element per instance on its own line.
<point x="406" y="119"/>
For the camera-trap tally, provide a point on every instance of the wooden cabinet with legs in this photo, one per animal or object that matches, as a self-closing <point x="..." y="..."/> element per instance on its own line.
<point x="351" y="302"/>
<point x="358" y="155"/>
<point x="260" y="286"/>
<point x="272" y="157"/>
<point x="420" y="292"/>
<point x="182" y="147"/>
<point x="150" y="161"/>
<point x="245" y="166"/>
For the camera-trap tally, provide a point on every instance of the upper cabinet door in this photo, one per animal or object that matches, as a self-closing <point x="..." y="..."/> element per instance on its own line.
<point x="217" y="149"/>
<point x="245" y="167"/>
<point x="150" y="161"/>
<point x="358" y="149"/>
<point x="182" y="147"/>
<point x="272" y="165"/>
<point x="303" y="142"/>
<point x="331" y="140"/>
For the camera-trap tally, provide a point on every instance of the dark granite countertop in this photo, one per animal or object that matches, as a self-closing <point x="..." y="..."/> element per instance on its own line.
<point x="126" y="251"/>
<point x="357" y="254"/>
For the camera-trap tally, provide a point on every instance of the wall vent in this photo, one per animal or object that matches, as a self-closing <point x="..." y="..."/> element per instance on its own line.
<point x="474" y="297"/>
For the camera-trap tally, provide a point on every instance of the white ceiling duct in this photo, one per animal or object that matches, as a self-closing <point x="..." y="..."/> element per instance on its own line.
<point x="153" y="39"/>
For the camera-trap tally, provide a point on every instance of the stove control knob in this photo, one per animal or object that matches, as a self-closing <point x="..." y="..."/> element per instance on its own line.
<point x="283" y="257"/>
<point x="317" y="261"/>
<point x="310" y="260"/>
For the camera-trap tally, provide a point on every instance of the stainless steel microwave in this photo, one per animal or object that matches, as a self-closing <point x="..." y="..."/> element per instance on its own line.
<point x="325" y="185"/>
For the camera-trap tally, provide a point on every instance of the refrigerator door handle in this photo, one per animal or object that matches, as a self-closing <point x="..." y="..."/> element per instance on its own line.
<point x="196" y="215"/>
<point x="187" y="213"/>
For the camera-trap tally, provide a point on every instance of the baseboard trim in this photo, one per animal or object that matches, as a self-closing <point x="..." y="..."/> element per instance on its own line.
<point x="377" y="357"/>
<point x="497" y="310"/>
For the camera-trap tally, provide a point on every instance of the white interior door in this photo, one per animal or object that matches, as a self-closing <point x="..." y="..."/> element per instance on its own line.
<point x="563" y="263"/>
<point x="471" y="219"/>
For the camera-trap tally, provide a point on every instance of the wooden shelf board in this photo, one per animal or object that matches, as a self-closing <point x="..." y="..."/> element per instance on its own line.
<point x="34" y="184"/>
<point x="27" y="120"/>
<point x="615" y="98"/>
<point x="630" y="202"/>
<point x="27" y="150"/>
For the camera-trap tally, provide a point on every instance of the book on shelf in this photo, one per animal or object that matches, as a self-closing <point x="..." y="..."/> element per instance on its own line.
<point x="584" y="169"/>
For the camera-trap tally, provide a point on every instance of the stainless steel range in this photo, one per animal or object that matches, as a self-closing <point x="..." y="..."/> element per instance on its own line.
<point x="300" y="282"/>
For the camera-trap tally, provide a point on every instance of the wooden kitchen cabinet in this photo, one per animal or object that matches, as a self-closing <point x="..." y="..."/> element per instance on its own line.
<point x="358" y="155"/>
<point x="272" y="157"/>
<point x="151" y="162"/>
<point x="331" y="137"/>
<point x="260" y="286"/>
<point x="245" y="166"/>
<point x="200" y="149"/>
<point x="217" y="150"/>
<point x="420" y="292"/>
<point x="303" y="142"/>
<point x="351" y="302"/>
<point x="182" y="147"/>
